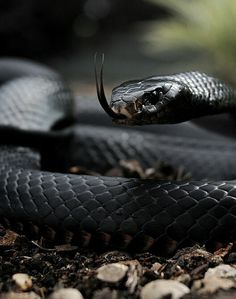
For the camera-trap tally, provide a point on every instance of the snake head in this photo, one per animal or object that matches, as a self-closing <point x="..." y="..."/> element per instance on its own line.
<point x="151" y="102"/>
<point x="154" y="100"/>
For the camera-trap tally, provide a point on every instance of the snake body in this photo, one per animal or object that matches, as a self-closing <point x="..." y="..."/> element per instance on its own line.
<point x="105" y="211"/>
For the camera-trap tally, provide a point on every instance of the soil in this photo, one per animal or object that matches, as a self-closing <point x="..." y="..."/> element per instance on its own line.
<point x="68" y="267"/>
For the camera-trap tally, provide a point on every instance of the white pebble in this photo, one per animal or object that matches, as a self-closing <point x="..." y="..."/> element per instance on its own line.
<point x="112" y="272"/>
<point x="220" y="277"/>
<point x="13" y="295"/>
<point x="221" y="271"/>
<point x="23" y="281"/>
<point x="162" y="288"/>
<point x="67" y="293"/>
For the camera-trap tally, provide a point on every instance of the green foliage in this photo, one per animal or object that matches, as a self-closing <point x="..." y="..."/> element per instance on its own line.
<point x="207" y="25"/>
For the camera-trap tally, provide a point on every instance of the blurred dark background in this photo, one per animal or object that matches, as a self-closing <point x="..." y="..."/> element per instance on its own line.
<point x="139" y="37"/>
<point x="41" y="28"/>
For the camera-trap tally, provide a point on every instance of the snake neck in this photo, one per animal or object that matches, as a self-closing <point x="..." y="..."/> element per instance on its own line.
<point x="209" y="95"/>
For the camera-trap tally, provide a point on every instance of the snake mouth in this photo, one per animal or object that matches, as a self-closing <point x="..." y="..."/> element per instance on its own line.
<point x="101" y="93"/>
<point x="129" y="107"/>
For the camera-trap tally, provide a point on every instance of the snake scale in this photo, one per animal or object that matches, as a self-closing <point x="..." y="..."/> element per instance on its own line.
<point x="35" y="114"/>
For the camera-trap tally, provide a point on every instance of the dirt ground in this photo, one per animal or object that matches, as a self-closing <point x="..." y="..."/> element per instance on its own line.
<point x="113" y="274"/>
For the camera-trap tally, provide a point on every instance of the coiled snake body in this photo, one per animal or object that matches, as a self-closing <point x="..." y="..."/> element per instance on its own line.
<point x="106" y="211"/>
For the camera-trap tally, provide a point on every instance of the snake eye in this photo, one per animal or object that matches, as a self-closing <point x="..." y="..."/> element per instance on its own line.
<point x="152" y="97"/>
<point x="158" y="90"/>
<point x="166" y="87"/>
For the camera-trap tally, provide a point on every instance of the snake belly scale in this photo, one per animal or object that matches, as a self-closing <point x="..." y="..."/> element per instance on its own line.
<point x="94" y="211"/>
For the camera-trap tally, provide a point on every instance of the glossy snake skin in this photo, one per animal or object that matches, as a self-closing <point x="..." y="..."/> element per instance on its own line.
<point x="101" y="211"/>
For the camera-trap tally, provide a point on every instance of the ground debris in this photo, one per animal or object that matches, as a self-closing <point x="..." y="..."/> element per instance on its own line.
<point x="9" y="238"/>
<point x="193" y="261"/>
<point x="134" y="169"/>
<point x="224" y="251"/>
<point x="114" y="274"/>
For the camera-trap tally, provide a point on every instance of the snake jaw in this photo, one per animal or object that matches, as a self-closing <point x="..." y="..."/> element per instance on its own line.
<point x="127" y="106"/>
<point x="121" y="110"/>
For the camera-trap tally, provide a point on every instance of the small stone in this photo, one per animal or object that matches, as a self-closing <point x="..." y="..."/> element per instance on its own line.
<point x="184" y="278"/>
<point x="13" y="295"/>
<point x="162" y="288"/>
<point x="23" y="281"/>
<point x="197" y="285"/>
<point x="220" y="277"/>
<point x="112" y="272"/>
<point x="221" y="271"/>
<point x="156" y="267"/>
<point x="67" y="293"/>
<point x="212" y="285"/>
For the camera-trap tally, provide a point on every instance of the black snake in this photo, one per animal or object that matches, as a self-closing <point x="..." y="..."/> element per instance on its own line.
<point x="35" y="115"/>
